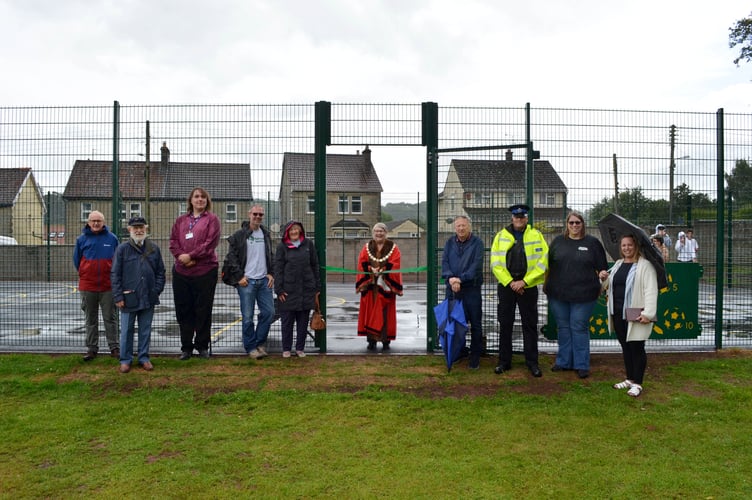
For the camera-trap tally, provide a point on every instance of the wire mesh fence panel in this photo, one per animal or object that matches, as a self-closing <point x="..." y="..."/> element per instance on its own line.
<point x="57" y="166"/>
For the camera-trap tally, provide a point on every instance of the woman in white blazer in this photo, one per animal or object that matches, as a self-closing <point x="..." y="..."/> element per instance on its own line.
<point x="632" y="284"/>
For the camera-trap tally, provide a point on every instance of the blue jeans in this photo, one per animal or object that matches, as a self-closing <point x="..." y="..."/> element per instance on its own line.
<point x="257" y="292"/>
<point x="572" y="323"/>
<point x="127" y="325"/>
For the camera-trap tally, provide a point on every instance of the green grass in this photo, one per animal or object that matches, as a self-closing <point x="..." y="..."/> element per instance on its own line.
<point x="370" y="427"/>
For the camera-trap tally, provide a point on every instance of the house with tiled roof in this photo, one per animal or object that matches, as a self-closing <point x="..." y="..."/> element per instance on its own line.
<point x="22" y="207"/>
<point x="404" y="228"/>
<point x="89" y="188"/>
<point x="353" y="193"/>
<point x="484" y="189"/>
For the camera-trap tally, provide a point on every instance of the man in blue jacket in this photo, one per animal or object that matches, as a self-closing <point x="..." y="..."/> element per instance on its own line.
<point x="138" y="278"/>
<point x="92" y="257"/>
<point x="462" y="271"/>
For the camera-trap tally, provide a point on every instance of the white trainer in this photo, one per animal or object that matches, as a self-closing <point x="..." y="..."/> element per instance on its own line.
<point x="286" y="354"/>
<point x="635" y="390"/>
<point x="624" y="385"/>
<point x="255" y="354"/>
<point x="301" y="354"/>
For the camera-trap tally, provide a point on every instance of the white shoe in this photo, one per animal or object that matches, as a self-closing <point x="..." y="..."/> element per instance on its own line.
<point x="255" y="354"/>
<point x="624" y="385"/>
<point x="635" y="390"/>
<point x="300" y="354"/>
<point x="262" y="350"/>
<point x="286" y="354"/>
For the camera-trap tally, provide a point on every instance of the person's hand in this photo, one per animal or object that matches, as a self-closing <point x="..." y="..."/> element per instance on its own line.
<point x="120" y="304"/>
<point x="603" y="275"/>
<point x="270" y="278"/>
<point x="243" y="282"/>
<point x="185" y="259"/>
<point x="282" y="297"/>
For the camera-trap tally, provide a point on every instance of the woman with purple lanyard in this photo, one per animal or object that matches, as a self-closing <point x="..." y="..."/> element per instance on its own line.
<point x="193" y="242"/>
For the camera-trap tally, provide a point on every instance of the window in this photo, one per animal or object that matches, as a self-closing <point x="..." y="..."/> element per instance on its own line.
<point x="516" y="198"/>
<point x="182" y="208"/>
<point x="311" y="205"/>
<point x="356" y="205"/>
<point x="85" y="211"/>
<point x="342" y="207"/>
<point x="547" y="199"/>
<point x="231" y="212"/>
<point x="128" y="210"/>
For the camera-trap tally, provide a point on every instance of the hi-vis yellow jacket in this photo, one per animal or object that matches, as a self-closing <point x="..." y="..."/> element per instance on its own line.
<point x="536" y="250"/>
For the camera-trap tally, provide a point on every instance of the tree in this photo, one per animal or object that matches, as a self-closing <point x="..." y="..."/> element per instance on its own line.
<point x="633" y="206"/>
<point x="739" y="182"/>
<point x="741" y="34"/>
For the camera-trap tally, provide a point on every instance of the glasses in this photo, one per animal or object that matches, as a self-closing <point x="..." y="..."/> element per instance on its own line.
<point x="97" y="221"/>
<point x="256" y="214"/>
<point x="574" y="222"/>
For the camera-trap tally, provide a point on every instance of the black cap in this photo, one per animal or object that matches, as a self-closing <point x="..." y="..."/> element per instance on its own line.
<point x="519" y="209"/>
<point x="137" y="221"/>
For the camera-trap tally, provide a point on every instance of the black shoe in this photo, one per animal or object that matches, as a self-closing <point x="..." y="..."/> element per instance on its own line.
<point x="535" y="371"/>
<point x="115" y="353"/>
<point x="185" y="355"/>
<point x="90" y="355"/>
<point x="203" y="353"/>
<point x="371" y="345"/>
<point x="502" y="368"/>
<point x="557" y="368"/>
<point x="385" y="345"/>
<point x="583" y="373"/>
<point x="474" y="362"/>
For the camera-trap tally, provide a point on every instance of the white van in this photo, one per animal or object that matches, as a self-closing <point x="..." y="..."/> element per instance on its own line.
<point x="7" y="240"/>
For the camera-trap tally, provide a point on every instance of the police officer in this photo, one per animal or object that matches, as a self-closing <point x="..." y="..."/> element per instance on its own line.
<point x="519" y="258"/>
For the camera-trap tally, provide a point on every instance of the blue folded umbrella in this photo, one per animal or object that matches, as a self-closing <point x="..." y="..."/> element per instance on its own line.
<point x="450" y="316"/>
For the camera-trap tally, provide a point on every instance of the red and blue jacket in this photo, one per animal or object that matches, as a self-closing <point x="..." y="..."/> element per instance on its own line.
<point x="93" y="259"/>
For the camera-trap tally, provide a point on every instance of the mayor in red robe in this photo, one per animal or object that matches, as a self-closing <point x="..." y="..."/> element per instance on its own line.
<point x="378" y="282"/>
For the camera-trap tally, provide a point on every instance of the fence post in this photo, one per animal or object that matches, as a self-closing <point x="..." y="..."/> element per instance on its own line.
<point x="720" y="237"/>
<point x="323" y="132"/>
<point x="116" y="170"/>
<point x="430" y="139"/>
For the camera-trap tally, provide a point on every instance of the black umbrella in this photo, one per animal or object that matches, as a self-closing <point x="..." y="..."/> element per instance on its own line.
<point x="613" y="227"/>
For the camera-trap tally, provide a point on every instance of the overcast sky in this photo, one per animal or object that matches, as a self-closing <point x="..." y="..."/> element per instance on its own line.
<point x="645" y="55"/>
<point x="657" y="54"/>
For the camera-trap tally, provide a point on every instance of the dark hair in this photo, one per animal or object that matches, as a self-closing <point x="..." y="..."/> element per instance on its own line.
<point x="638" y="254"/>
<point x="203" y="192"/>
<point x="574" y="213"/>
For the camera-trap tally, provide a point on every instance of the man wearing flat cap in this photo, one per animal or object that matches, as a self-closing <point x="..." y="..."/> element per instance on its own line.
<point x="138" y="278"/>
<point x="519" y="259"/>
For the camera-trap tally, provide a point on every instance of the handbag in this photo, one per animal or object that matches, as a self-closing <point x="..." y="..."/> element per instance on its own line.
<point x="317" y="320"/>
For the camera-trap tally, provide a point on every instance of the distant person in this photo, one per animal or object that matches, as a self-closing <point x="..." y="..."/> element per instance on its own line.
<point x="249" y="267"/>
<point x="193" y="242"/>
<point x="296" y="271"/>
<point x="574" y="261"/>
<point x="685" y="248"/>
<point x="660" y="230"/>
<point x="658" y="242"/>
<point x="138" y="278"/>
<point x="632" y="285"/>
<point x="92" y="256"/>
<point x="695" y="245"/>
<point x="519" y="259"/>
<point x="377" y="315"/>
<point x="462" y="271"/>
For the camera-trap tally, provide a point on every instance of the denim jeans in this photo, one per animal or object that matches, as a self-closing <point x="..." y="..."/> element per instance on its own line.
<point x="257" y="292"/>
<point x="127" y="325"/>
<point x="572" y="323"/>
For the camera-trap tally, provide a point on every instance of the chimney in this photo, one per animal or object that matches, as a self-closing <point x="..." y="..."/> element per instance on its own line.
<point x="367" y="154"/>
<point x="165" y="154"/>
<point x="508" y="155"/>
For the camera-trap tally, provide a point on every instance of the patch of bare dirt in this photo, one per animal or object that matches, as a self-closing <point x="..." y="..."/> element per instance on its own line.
<point x="427" y="377"/>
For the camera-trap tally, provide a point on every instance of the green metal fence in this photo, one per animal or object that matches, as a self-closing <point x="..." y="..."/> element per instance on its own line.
<point x="649" y="166"/>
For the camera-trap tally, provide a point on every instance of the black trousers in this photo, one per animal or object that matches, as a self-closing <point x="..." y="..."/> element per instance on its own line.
<point x="528" y="305"/>
<point x="194" y="301"/>
<point x="635" y="357"/>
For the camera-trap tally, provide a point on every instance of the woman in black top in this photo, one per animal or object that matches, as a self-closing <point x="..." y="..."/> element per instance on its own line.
<point x="572" y="285"/>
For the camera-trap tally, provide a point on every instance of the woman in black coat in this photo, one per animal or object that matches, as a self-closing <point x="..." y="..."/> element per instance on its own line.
<point x="296" y="283"/>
